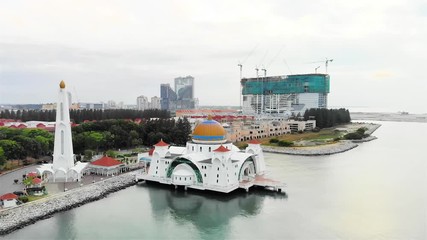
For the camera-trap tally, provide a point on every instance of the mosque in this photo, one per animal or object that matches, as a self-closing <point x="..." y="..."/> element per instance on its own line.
<point x="207" y="162"/>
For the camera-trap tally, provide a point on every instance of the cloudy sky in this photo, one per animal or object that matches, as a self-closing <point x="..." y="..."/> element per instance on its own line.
<point x="118" y="50"/>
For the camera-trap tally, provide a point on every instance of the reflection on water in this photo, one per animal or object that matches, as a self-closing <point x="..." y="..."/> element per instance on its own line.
<point x="375" y="191"/>
<point x="209" y="212"/>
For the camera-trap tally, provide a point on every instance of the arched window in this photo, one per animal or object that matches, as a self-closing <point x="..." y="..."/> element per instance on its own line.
<point x="62" y="142"/>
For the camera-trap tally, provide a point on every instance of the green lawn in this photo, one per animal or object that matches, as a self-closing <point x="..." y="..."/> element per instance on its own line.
<point x="33" y="198"/>
<point x="321" y="136"/>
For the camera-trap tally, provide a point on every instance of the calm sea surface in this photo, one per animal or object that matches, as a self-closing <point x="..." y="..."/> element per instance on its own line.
<point x="375" y="191"/>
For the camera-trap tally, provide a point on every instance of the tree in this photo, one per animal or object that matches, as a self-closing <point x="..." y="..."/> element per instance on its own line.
<point x="93" y="140"/>
<point x="12" y="149"/>
<point x="2" y="157"/>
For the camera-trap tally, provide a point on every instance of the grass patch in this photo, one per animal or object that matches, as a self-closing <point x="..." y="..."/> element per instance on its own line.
<point x="306" y="136"/>
<point x="34" y="198"/>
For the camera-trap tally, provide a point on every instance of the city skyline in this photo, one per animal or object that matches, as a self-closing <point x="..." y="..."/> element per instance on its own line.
<point x="126" y="49"/>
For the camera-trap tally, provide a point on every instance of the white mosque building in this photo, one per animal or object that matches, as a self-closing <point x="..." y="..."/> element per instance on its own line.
<point x="63" y="168"/>
<point x="207" y="162"/>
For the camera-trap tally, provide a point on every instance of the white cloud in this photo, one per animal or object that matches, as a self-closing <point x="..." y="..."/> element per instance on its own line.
<point x="130" y="47"/>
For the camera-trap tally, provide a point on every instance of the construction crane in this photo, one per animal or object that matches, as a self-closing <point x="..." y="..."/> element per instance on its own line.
<point x="240" y="88"/>
<point x="265" y="72"/>
<point x="315" y="70"/>
<point x="327" y="61"/>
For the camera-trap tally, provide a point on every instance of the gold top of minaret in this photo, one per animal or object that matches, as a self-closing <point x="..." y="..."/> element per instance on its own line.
<point x="62" y="84"/>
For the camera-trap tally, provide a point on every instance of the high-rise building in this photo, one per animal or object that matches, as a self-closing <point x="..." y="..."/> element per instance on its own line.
<point x="279" y="94"/>
<point x="184" y="87"/>
<point x="181" y="98"/>
<point x="167" y="97"/>
<point x="142" y="103"/>
<point x="155" y="102"/>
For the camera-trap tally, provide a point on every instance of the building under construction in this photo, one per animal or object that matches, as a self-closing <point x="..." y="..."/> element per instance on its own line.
<point x="284" y="94"/>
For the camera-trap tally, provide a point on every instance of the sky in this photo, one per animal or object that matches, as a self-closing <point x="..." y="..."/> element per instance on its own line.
<point x="119" y="50"/>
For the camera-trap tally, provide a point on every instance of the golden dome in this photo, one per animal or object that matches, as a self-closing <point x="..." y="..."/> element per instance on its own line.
<point x="209" y="131"/>
<point x="62" y="84"/>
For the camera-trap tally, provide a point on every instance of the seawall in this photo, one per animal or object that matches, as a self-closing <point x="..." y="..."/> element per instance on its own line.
<point x="329" y="149"/>
<point x="18" y="217"/>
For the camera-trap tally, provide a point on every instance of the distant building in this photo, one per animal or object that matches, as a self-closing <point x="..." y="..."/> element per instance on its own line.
<point x="184" y="88"/>
<point x="95" y="106"/>
<point x="167" y="97"/>
<point x="155" y="102"/>
<point x="279" y="94"/>
<point x="142" y="103"/>
<point x="182" y="97"/>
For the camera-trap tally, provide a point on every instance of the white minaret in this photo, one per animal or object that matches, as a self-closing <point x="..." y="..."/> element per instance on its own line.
<point x="63" y="156"/>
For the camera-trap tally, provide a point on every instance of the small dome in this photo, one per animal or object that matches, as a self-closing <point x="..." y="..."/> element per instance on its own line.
<point x="62" y="84"/>
<point x="209" y="131"/>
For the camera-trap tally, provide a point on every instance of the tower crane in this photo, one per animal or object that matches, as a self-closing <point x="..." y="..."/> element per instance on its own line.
<point x="327" y="61"/>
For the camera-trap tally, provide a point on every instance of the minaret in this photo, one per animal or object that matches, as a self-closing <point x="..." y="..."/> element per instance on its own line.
<point x="63" y="156"/>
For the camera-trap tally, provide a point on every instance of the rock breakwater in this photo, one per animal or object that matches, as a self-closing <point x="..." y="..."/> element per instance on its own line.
<point x="327" y="149"/>
<point x="29" y="213"/>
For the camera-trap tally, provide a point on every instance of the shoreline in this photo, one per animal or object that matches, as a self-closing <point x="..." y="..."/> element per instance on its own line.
<point x="327" y="149"/>
<point x="15" y="218"/>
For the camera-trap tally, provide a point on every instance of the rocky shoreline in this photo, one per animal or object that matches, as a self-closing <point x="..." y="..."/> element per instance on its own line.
<point x="329" y="149"/>
<point x="18" y="217"/>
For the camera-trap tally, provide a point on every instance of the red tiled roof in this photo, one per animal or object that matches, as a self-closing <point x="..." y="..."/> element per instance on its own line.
<point x="32" y="174"/>
<point x="22" y="125"/>
<point x="41" y="125"/>
<point x="37" y="181"/>
<point x="150" y="153"/>
<point x="106" y="162"/>
<point x="161" y="144"/>
<point x="221" y="149"/>
<point x="8" y="196"/>
<point x="254" y="141"/>
<point x="1" y="124"/>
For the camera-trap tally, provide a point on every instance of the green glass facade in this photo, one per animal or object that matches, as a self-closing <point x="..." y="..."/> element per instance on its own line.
<point x="302" y="83"/>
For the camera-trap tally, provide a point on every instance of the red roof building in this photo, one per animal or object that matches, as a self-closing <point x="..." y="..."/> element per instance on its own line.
<point x="106" y="162"/>
<point x="161" y="144"/>
<point x="254" y="141"/>
<point x="37" y="181"/>
<point x="32" y="174"/>
<point x="221" y="149"/>
<point x="106" y="166"/>
<point x="8" y="196"/>
<point x="150" y="153"/>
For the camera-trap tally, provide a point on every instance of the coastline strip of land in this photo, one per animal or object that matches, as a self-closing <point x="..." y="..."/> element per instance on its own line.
<point x="328" y="149"/>
<point x="18" y="217"/>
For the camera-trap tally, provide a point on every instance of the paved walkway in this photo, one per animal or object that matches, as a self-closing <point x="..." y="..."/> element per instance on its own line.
<point x="6" y="180"/>
<point x="7" y="184"/>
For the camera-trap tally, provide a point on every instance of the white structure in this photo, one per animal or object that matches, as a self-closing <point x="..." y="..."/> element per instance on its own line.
<point x="155" y="102"/>
<point x="63" y="168"/>
<point x="8" y="200"/>
<point x="208" y="162"/>
<point x="142" y="103"/>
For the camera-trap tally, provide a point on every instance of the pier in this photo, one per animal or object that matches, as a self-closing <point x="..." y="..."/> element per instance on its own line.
<point x="262" y="181"/>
